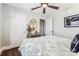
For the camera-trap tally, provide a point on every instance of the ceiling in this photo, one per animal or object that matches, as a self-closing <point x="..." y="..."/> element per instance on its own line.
<point x="49" y="12"/>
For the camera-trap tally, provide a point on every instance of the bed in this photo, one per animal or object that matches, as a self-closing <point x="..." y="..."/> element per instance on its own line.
<point x="46" y="46"/>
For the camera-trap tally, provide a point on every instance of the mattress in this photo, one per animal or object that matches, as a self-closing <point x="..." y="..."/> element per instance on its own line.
<point x="46" y="46"/>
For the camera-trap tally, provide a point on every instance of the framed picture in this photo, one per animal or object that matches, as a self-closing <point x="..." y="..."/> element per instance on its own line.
<point x="71" y="21"/>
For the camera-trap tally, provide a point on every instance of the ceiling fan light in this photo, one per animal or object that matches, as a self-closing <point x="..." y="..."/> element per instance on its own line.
<point x="44" y="5"/>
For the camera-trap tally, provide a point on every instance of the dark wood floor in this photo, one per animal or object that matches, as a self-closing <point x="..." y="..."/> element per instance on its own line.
<point x="11" y="52"/>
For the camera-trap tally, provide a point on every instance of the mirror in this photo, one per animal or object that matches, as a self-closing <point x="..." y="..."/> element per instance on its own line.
<point x="32" y="25"/>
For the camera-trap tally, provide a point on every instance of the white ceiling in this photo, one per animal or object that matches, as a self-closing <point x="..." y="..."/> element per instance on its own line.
<point x="49" y="12"/>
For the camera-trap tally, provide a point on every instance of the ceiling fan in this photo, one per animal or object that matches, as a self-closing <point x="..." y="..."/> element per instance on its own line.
<point x="44" y="5"/>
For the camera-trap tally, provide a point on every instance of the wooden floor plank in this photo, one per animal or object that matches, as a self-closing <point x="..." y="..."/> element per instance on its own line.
<point x="11" y="52"/>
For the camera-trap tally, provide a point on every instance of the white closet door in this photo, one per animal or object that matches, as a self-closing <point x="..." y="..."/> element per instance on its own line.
<point x="18" y="28"/>
<point x="49" y="27"/>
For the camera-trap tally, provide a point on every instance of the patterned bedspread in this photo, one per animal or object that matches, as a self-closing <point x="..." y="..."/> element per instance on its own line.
<point x="46" y="46"/>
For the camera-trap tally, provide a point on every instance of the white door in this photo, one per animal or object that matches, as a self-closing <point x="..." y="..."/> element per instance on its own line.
<point x="49" y="27"/>
<point x="18" y="28"/>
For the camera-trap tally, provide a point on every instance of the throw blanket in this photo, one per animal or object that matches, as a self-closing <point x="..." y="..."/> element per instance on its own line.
<point x="75" y="44"/>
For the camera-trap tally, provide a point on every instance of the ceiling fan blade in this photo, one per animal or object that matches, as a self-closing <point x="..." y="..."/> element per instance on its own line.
<point x="44" y="10"/>
<point x="35" y="7"/>
<point x="54" y="7"/>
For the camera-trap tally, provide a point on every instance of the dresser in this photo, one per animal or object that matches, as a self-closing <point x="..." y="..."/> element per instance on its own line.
<point x="33" y="35"/>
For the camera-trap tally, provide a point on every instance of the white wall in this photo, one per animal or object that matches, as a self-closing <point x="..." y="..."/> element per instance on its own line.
<point x="0" y="24"/>
<point x="6" y="17"/>
<point x="5" y="25"/>
<point x="59" y="23"/>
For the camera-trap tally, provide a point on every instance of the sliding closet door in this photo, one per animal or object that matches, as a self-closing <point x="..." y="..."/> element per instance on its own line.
<point x="18" y="28"/>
